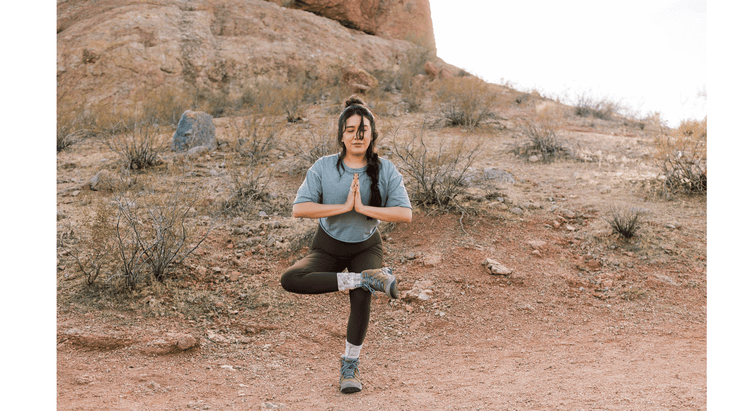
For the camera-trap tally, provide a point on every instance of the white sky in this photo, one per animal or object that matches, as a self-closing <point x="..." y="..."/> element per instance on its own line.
<point x="648" y="54"/>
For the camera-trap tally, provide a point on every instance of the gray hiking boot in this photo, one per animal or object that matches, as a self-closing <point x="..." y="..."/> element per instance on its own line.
<point x="350" y="376"/>
<point x="380" y="279"/>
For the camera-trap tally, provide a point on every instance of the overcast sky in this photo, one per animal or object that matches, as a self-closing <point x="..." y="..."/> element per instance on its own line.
<point x="648" y="54"/>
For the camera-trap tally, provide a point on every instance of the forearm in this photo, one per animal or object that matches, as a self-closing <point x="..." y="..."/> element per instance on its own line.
<point x="316" y="210"/>
<point x="389" y="214"/>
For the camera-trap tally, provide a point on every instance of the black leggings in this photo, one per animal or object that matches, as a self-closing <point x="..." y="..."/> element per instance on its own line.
<point x="317" y="273"/>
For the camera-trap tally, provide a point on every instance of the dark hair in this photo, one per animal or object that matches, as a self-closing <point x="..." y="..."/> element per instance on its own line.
<point x="355" y="106"/>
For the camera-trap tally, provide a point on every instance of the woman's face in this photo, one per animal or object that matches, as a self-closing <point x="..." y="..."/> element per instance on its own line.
<point x="355" y="144"/>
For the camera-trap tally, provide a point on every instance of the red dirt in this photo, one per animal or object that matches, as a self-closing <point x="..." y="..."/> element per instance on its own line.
<point x="547" y="337"/>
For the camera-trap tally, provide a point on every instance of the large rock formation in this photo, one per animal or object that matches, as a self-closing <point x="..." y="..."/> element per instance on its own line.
<point x="399" y="19"/>
<point x="109" y="50"/>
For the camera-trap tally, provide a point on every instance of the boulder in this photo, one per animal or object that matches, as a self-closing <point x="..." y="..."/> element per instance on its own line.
<point x="445" y="74"/>
<point x="405" y="20"/>
<point x="431" y="69"/>
<point x="358" y="80"/>
<point x="103" y="181"/>
<point x="194" y="129"/>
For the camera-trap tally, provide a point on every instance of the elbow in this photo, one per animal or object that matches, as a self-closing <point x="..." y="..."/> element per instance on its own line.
<point x="408" y="216"/>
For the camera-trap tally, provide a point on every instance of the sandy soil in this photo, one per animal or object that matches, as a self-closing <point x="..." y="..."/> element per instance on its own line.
<point x="586" y="321"/>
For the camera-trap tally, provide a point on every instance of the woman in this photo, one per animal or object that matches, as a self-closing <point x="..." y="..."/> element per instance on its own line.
<point x="336" y="190"/>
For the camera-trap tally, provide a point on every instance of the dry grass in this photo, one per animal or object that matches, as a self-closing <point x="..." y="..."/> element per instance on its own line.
<point x="682" y="157"/>
<point x="464" y="101"/>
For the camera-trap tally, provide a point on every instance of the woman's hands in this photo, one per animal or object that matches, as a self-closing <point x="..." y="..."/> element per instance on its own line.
<point x="353" y="197"/>
<point x="353" y="202"/>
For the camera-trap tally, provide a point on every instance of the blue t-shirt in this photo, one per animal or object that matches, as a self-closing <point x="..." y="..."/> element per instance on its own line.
<point x="327" y="184"/>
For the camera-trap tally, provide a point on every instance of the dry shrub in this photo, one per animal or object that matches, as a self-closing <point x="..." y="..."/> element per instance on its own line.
<point x="153" y="231"/>
<point x="464" y="101"/>
<point x="599" y="107"/>
<point x="255" y="136"/>
<point x="248" y="184"/>
<point x="682" y="157"/>
<point x="319" y="143"/>
<point x="625" y="221"/>
<point x="542" y="141"/>
<point x="72" y="126"/>
<point x="93" y="251"/>
<point x="136" y="140"/>
<point x="436" y="176"/>
<point x="165" y="105"/>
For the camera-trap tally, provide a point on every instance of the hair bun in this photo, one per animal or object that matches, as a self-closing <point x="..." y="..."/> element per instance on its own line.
<point x="354" y="99"/>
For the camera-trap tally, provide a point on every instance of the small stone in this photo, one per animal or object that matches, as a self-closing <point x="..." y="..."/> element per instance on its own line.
<point x="593" y="264"/>
<point x="569" y="227"/>
<point x="536" y="253"/>
<point x="534" y="159"/>
<point x="411" y="255"/>
<point x="234" y="275"/>
<point x="516" y="211"/>
<point x="556" y="224"/>
<point x="537" y="244"/>
<point x="263" y="214"/>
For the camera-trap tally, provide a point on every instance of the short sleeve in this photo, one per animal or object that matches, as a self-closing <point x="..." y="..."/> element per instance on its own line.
<point x="396" y="195"/>
<point x="311" y="188"/>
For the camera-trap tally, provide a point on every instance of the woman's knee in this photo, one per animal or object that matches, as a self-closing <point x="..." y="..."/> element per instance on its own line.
<point x="289" y="280"/>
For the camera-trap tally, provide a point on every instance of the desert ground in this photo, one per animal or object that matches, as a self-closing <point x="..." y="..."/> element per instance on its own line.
<point x="586" y="320"/>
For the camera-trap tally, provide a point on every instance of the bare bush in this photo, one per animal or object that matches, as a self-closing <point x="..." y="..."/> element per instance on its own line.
<point x="603" y="108"/>
<point x="542" y="141"/>
<point x="255" y="136"/>
<point x="318" y="144"/>
<point x="682" y="157"/>
<point x="248" y="184"/>
<point x="136" y="141"/>
<point x="437" y="175"/>
<point x="464" y="101"/>
<point x="166" y="105"/>
<point x="153" y="232"/>
<point x="93" y="251"/>
<point x="625" y="221"/>
<point x="72" y="126"/>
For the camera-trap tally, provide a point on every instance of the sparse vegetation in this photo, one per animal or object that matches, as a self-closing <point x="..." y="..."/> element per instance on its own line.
<point x="603" y="108"/>
<point x="542" y="141"/>
<point x="682" y="157"/>
<point x="255" y="136"/>
<point x="248" y="184"/>
<point x="154" y="231"/>
<point x="437" y="175"/>
<point x="137" y="141"/>
<point x="464" y="101"/>
<point x="93" y="250"/>
<point x="319" y="144"/>
<point x="625" y="221"/>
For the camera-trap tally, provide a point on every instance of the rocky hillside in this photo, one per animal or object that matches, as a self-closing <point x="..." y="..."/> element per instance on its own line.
<point x="107" y="50"/>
